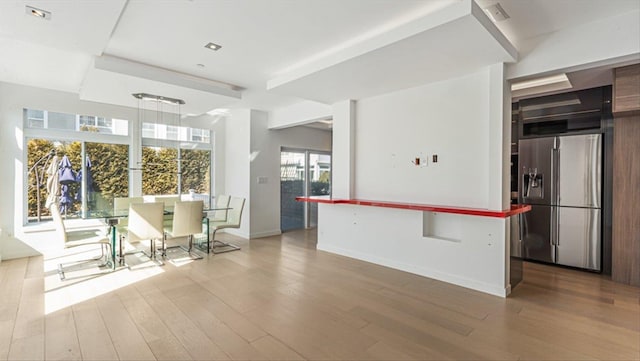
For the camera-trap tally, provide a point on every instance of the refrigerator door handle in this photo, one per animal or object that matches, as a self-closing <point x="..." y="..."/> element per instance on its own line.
<point x="521" y="224"/>
<point x="553" y="226"/>
<point x="556" y="222"/>
<point x="555" y="176"/>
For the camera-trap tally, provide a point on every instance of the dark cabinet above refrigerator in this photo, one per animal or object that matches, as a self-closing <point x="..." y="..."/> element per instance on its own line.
<point x="575" y="112"/>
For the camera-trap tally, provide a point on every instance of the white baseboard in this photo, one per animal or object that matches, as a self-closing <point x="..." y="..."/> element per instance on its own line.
<point x="236" y="232"/>
<point x="274" y="232"/>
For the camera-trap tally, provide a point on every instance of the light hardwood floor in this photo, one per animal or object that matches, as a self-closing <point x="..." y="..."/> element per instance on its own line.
<point x="280" y="299"/>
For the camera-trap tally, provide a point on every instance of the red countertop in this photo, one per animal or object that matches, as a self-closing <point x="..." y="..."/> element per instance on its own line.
<point x="515" y="208"/>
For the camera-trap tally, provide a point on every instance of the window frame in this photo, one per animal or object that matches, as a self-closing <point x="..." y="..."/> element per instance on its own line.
<point x="134" y="140"/>
<point x="66" y="136"/>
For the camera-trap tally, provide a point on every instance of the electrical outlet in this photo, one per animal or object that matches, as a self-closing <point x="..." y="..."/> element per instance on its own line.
<point x="434" y="158"/>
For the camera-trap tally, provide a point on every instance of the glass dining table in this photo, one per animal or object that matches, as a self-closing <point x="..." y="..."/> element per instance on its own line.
<point x="112" y="219"/>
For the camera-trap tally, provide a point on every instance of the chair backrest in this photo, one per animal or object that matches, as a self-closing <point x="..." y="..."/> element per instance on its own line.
<point x="145" y="221"/>
<point x="61" y="231"/>
<point x="222" y="201"/>
<point x="236" y="204"/>
<point x="187" y="218"/>
<point x="168" y="201"/>
<point x="122" y="203"/>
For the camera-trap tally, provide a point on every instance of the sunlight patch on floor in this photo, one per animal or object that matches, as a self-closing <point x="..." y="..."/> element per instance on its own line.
<point x="86" y="280"/>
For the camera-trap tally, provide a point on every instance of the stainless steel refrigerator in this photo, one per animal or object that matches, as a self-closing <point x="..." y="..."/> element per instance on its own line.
<point x="561" y="178"/>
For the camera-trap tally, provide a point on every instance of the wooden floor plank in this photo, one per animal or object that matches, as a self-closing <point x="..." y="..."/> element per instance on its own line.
<point x="222" y="335"/>
<point x="274" y="349"/>
<point x="93" y="335"/>
<point x="28" y="338"/>
<point x="61" y="337"/>
<point x="125" y="336"/>
<point x="281" y="299"/>
<point x="192" y="338"/>
<point x="161" y="341"/>
<point x="27" y="348"/>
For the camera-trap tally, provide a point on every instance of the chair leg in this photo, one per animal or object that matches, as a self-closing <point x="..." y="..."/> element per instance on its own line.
<point x="189" y="250"/>
<point x="103" y="256"/>
<point x="217" y="245"/>
<point x="164" y="245"/>
<point x="121" y="251"/>
<point x="153" y="253"/>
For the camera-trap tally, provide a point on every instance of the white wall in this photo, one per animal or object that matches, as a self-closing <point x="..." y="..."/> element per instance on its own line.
<point x="265" y="146"/>
<point x="253" y="150"/>
<point x="343" y="160"/>
<point x="15" y="241"/>
<point x="473" y="254"/>
<point x="466" y="122"/>
<point x="448" y="118"/>
<point x="499" y="138"/>
<point x="237" y="155"/>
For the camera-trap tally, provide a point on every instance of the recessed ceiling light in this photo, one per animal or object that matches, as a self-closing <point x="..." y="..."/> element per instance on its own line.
<point x="496" y="12"/>
<point x="213" y="46"/>
<point x="39" y="13"/>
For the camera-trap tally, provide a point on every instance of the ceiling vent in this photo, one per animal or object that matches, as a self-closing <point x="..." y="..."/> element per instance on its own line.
<point x="496" y="12"/>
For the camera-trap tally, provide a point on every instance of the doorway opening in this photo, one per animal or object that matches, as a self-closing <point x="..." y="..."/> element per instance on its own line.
<point x="303" y="173"/>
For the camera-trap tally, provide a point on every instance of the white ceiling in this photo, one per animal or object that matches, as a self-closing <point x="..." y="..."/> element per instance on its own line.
<point x="261" y="40"/>
<point x="418" y="52"/>
<point x="532" y="18"/>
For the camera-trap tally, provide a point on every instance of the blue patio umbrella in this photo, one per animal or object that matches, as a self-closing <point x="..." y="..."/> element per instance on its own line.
<point x="66" y="178"/>
<point x="89" y="182"/>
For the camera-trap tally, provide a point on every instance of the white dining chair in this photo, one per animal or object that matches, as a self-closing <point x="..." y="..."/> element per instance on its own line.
<point x="169" y="202"/>
<point x="234" y="217"/>
<point x="221" y="209"/>
<point x="79" y="238"/>
<point x="121" y="204"/>
<point x="145" y="223"/>
<point x="187" y="221"/>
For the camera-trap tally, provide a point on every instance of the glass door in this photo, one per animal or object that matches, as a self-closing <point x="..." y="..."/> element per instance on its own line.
<point x="302" y="173"/>
<point x="292" y="185"/>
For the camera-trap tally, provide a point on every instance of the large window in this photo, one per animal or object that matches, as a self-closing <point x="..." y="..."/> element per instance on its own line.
<point x="196" y="171"/>
<point x="174" y="160"/>
<point x="42" y="119"/>
<point x="160" y="171"/>
<point x="169" y="171"/>
<point x="105" y="168"/>
<point x="175" y="132"/>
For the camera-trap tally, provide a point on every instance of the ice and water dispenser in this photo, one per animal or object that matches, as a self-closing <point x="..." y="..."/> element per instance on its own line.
<point x="532" y="183"/>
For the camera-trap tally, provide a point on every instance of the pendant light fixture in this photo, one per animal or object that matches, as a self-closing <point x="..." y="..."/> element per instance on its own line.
<point x="159" y="122"/>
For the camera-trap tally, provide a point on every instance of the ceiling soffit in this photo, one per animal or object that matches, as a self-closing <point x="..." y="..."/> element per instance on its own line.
<point x="112" y="80"/>
<point x="453" y="41"/>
